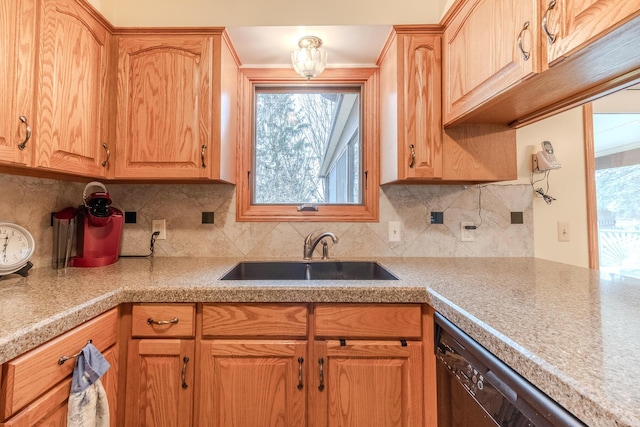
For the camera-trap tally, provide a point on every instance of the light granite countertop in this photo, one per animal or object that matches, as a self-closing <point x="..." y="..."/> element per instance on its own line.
<point x="571" y="332"/>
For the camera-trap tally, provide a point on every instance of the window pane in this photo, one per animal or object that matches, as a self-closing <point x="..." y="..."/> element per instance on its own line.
<point x="617" y="192"/>
<point x="300" y="140"/>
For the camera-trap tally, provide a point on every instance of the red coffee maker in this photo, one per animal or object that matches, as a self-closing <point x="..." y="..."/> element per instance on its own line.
<point x="99" y="229"/>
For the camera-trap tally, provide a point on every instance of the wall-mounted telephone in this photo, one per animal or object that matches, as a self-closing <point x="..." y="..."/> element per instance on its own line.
<point x="545" y="159"/>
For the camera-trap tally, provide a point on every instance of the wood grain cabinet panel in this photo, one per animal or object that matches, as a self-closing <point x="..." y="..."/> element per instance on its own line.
<point x="575" y="23"/>
<point x="163" y="320"/>
<point x="21" y="385"/>
<point x="160" y="386"/>
<point x="253" y="383"/>
<point x="50" y="409"/>
<point x="367" y="383"/>
<point x="410" y="103"/>
<point x="368" y="320"/>
<point x="72" y="90"/>
<point x="254" y="320"/>
<point x="164" y="106"/>
<point x="17" y="72"/>
<point x="489" y="45"/>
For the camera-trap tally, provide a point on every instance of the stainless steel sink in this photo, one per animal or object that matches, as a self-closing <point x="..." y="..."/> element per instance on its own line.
<point x="321" y="270"/>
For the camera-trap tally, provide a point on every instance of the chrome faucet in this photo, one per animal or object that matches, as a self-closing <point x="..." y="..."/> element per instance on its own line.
<point x="311" y="242"/>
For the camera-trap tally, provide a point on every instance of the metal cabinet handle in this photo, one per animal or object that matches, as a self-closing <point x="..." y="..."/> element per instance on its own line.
<point x="150" y="321"/>
<point x="204" y="147"/>
<point x="321" y="364"/>
<point x="27" y="136"/>
<point x="525" y="55"/>
<point x="106" y="161"/>
<point x="300" y="384"/>
<point x="183" y="376"/>
<point x="412" y="158"/>
<point x="73" y="356"/>
<point x="551" y="38"/>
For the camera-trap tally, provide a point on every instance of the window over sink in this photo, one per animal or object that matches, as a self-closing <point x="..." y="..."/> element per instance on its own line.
<point x="307" y="151"/>
<point x="306" y="146"/>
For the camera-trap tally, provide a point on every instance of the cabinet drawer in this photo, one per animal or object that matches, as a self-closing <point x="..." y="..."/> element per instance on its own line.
<point x="368" y="321"/>
<point x="255" y="320"/>
<point x="163" y="320"/>
<point x="30" y="375"/>
<point x="50" y="409"/>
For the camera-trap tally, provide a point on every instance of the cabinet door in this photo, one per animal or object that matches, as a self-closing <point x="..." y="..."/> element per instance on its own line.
<point x="411" y="113"/>
<point x="164" y="106"/>
<point x="421" y="152"/>
<point x="253" y="383"/>
<point x="367" y="384"/>
<point x="17" y="47"/>
<point x="574" y="23"/>
<point x="51" y="408"/>
<point x="483" y="52"/>
<point x="72" y="88"/>
<point x="160" y="383"/>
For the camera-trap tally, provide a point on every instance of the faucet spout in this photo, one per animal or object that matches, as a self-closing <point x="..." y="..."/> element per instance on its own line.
<point x="310" y="243"/>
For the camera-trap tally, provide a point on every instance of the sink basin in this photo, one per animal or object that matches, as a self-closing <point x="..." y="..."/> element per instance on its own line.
<point x="320" y="270"/>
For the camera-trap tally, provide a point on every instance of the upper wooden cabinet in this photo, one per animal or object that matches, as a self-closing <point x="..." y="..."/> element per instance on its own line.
<point x="487" y="79"/>
<point x="489" y="45"/>
<point x="413" y="146"/>
<point x="570" y="24"/>
<point x="17" y="47"/>
<point x="72" y="90"/>
<point x="410" y="80"/>
<point x="170" y="88"/>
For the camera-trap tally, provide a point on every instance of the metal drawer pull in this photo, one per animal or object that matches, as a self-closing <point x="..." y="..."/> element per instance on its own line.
<point x="525" y="55"/>
<point x="184" y="372"/>
<point x="412" y="159"/>
<point x="150" y="321"/>
<point x="65" y="358"/>
<point x="27" y="136"/>
<point x="300" y="361"/>
<point x="106" y="161"/>
<point x="551" y="38"/>
<point x="204" y="147"/>
<point x="321" y="363"/>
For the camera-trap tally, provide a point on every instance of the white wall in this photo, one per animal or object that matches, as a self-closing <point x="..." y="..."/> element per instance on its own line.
<point x="567" y="185"/>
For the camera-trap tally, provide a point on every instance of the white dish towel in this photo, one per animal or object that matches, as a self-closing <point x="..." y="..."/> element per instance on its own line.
<point x="88" y="406"/>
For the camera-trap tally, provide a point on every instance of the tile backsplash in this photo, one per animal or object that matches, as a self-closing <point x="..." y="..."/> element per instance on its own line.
<point x="30" y="201"/>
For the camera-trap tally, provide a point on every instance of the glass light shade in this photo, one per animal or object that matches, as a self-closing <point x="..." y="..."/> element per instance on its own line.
<point x="309" y="59"/>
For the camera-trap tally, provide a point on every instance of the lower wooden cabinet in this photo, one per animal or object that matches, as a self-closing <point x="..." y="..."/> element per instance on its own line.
<point x="35" y="387"/>
<point x="367" y="383"/>
<point x="160" y="382"/>
<point x="253" y="383"/>
<point x="51" y="408"/>
<point x="239" y="365"/>
<point x="160" y="365"/>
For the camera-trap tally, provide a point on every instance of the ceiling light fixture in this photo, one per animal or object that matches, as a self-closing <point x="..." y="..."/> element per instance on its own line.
<point x="309" y="59"/>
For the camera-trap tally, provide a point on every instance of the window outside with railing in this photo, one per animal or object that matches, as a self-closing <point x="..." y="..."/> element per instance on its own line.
<point x="617" y="152"/>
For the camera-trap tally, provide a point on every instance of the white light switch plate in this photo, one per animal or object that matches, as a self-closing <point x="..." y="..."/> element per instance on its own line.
<point x="564" y="233"/>
<point x="395" y="231"/>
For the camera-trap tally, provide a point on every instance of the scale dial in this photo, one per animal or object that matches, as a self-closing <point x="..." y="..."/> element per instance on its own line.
<point x="16" y="247"/>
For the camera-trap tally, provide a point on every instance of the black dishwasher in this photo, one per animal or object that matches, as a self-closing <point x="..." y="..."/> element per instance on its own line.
<point x="476" y="389"/>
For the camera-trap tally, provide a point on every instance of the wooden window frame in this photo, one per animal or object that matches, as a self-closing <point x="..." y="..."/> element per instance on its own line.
<point x="368" y="211"/>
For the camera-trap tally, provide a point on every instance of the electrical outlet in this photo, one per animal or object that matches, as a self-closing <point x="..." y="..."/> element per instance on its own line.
<point x="394" y="231"/>
<point x="466" y="235"/>
<point x="161" y="226"/>
<point x="564" y="234"/>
